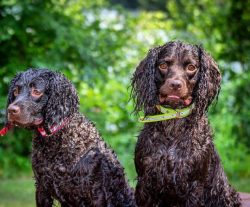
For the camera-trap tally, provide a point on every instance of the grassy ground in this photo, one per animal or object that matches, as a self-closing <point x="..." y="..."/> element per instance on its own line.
<point x="242" y="185"/>
<point x="17" y="193"/>
<point x="20" y="192"/>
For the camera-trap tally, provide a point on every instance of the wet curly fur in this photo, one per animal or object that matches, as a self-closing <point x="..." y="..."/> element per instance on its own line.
<point x="73" y="165"/>
<point x="176" y="160"/>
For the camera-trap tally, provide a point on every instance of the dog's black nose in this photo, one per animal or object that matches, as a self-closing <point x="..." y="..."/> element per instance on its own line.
<point x="13" y="109"/>
<point x="175" y="84"/>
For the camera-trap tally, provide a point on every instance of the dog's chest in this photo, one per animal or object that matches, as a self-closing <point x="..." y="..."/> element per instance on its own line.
<point x="164" y="150"/>
<point x="52" y="167"/>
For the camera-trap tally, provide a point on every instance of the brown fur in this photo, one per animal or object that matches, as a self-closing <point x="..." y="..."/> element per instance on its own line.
<point x="176" y="161"/>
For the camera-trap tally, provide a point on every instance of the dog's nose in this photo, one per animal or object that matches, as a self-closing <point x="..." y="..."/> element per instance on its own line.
<point x="13" y="109"/>
<point x="175" y="84"/>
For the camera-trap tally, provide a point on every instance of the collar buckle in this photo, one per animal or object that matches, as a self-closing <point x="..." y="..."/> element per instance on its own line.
<point x="178" y="115"/>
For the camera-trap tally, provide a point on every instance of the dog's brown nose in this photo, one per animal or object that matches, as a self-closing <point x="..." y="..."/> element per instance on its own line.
<point x="13" y="109"/>
<point x="175" y="84"/>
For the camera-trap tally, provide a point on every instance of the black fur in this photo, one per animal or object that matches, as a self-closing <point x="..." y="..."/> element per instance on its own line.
<point x="72" y="165"/>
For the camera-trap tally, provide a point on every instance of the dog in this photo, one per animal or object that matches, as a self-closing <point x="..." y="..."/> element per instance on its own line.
<point x="175" y="158"/>
<point x="71" y="162"/>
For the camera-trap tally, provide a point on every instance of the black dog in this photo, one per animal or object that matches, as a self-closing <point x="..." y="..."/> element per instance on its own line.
<point x="70" y="161"/>
<point x="175" y="158"/>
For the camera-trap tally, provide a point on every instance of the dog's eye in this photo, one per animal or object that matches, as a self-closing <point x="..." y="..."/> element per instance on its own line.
<point x="36" y="93"/>
<point x="16" y="91"/>
<point x="191" y="68"/>
<point x="163" y="66"/>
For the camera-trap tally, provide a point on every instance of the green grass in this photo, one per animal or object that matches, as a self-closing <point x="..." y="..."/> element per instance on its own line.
<point x="20" y="192"/>
<point x="17" y="193"/>
<point x="242" y="185"/>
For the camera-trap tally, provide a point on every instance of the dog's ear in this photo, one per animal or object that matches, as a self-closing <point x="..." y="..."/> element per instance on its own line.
<point x="62" y="101"/>
<point x="144" y="90"/>
<point x="209" y="80"/>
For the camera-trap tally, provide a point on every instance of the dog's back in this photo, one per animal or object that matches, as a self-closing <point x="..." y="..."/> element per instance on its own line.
<point x="77" y="168"/>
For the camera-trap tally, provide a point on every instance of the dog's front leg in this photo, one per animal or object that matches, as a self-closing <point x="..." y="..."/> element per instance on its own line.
<point x="43" y="199"/>
<point x="143" y="196"/>
<point x="196" y="195"/>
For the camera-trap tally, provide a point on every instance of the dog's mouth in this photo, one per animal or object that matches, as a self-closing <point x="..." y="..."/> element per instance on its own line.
<point x="18" y="121"/>
<point x="37" y="121"/>
<point x="175" y="101"/>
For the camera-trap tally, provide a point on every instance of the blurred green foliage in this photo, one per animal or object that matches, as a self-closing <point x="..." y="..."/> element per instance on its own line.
<point x="97" y="45"/>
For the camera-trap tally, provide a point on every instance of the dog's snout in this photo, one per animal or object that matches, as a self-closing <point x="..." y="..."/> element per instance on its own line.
<point x="13" y="109"/>
<point x="175" y="84"/>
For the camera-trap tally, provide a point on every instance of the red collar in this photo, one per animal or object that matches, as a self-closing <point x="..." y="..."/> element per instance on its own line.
<point x="4" y="130"/>
<point x="53" y="129"/>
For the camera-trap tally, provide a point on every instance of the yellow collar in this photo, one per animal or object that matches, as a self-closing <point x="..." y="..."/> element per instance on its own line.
<point x="167" y="114"/>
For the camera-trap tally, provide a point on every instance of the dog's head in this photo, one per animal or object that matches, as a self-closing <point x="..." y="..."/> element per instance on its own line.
<point x="39" y="97"/>
<point x="175" y="74"/>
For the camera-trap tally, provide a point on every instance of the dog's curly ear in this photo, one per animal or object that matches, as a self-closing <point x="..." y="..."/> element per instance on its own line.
<point x="62" y="101"/>
<point x="144" y="89"/>
<point x="209" y="80"/>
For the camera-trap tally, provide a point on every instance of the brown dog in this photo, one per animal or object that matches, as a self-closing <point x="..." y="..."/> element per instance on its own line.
<point x="175" y="158"/>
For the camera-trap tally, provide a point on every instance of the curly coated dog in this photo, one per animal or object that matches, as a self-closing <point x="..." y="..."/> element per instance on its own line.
<point x="175" y="157"/>
<point x="71" y="162"/>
